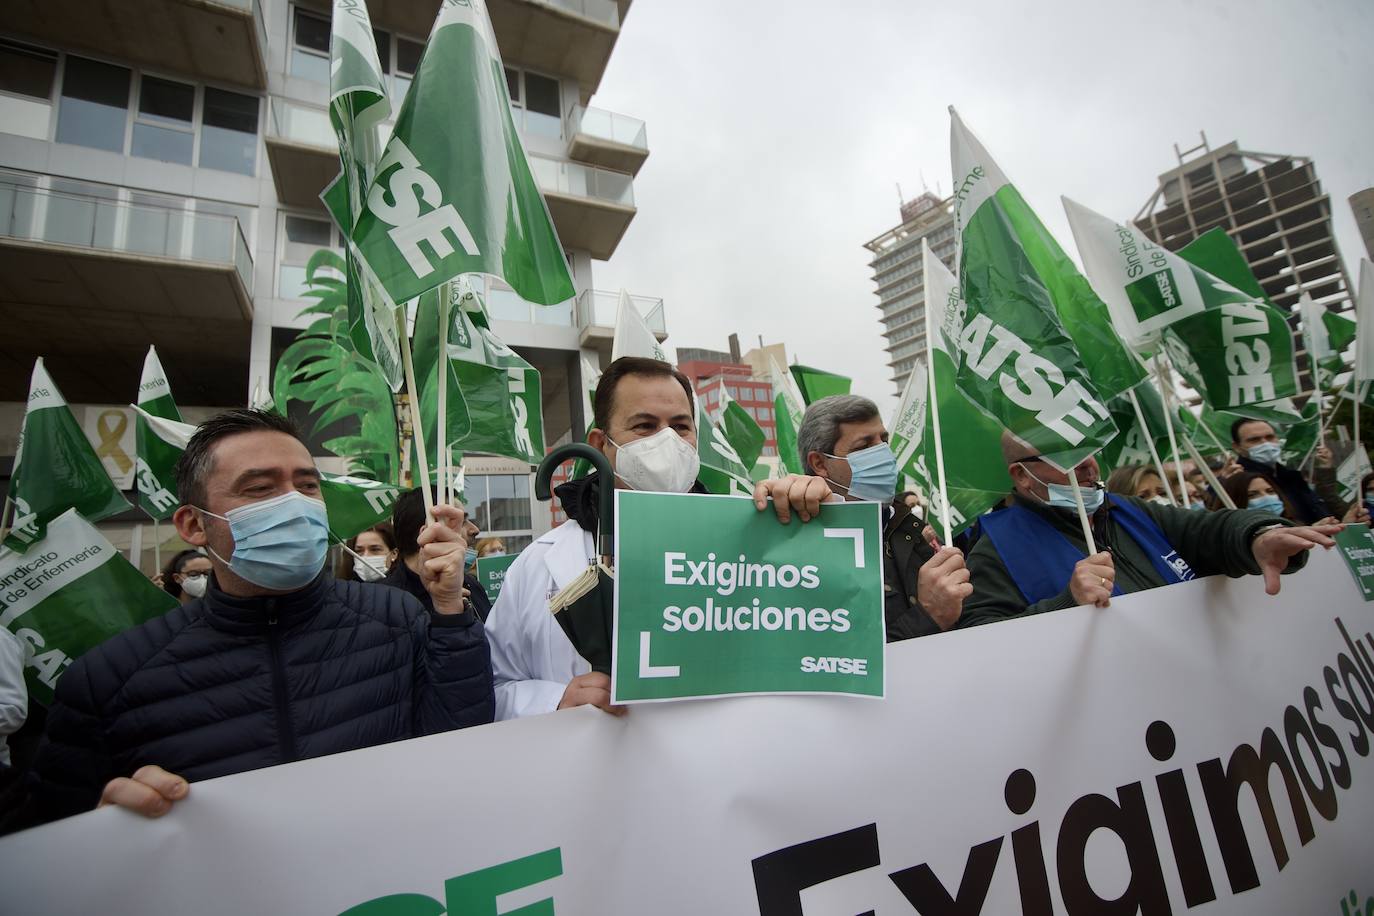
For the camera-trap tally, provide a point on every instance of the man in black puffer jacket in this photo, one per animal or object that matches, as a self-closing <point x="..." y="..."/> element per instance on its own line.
<point x="278" y="662"/>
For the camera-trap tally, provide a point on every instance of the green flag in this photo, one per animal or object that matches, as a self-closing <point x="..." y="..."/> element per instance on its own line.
<point x="67" y="595"/>
<point x="55" y="468"/>
<point x="1132" y="444"/>
<point x="975" y="475"/>
<point x="161" y="442"/>
<point x="815" y="384"/>
<point x="156" y="489"/>
<point x="1016" y="361"/>
<point x="355" y="504"/>
<point x="494" y="396"/>
<point x="1202" y="305"/>
<point x="453" y="192"/>
<point x="788" y="410"/>
<point x="722" y="470"/>
<point x="1340" y="331"/>
<point x="358" y="105"/>
<point x="741" y="430"/>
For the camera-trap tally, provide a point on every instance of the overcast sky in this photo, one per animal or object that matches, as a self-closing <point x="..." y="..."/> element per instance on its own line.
<point x="778" y="132"/>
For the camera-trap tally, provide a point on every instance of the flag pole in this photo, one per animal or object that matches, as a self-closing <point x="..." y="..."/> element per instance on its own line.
<point x="933" y="406"/>
<point x="157" y="547"/>
<point x="1169" y="422"/>
<point x="417" y="431"/>
<point x="1150" y="441"/>
<point x="441" y="366"/>
<point x="1082" y="510"/>
<point x="1207" y="472"/>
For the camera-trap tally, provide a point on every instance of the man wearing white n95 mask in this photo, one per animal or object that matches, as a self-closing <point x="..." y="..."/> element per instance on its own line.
<point x="644" y="425"/>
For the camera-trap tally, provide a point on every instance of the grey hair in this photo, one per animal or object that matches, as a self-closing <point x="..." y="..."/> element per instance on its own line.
<point x="820" y="428"/>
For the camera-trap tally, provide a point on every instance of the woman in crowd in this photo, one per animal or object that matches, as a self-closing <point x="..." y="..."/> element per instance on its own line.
<point x="486" y="547"/>
<point x="1140" y="481"/>
<point x="186" y="576"/>
<point x="1255" y="491"/>
<point x="377" y="548"/>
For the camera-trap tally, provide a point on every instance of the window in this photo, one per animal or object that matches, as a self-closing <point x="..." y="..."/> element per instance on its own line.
<point x="95" y="104"/>
<point x="26" y="79"/>
<point x="408" y="54"/>
<point x="302" y="236"/>
<point x="310" y="51"/>
<point x="163" y="127"/>
<point x="536" y="103"/>
<point x="229" y="132"/>
<point x="765" y="413"/>
<point x="499" y="503"/>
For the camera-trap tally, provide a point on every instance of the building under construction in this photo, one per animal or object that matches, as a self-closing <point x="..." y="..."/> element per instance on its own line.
<point x="900" y="275"/>
<point x="1275" y="210"/>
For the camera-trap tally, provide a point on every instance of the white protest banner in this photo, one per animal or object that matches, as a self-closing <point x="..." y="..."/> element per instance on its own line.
<point x="727" y="601"/>
<point x="1203" y="749"/>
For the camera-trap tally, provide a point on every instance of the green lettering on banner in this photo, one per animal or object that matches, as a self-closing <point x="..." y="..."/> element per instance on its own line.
<point x="715" y="598"/>
<point x="475" y="893"/>
<point x="1357" y="549"/>
<point x="491" y="572"/>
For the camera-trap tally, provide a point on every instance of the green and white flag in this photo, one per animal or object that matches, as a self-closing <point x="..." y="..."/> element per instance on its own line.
<point x="67" y="594"/>
<point x="1016" y="360"/>
<point x="1132" y="444"/>
<point x="358" y="104"/>
<point x="1350" y="472"/>
<point x="494" y="396"/>
<point x="741" y="430"/>
<point x="156" y="494"/>
<point x="158" y="455"/>
<point x="453" y="192"/>
<point x="788" y="411"/>
<point x="722" y="469"/>
<point x="1316" y="342"/>
<point x="55" y="468"/>
<point x="355" y="504"/>
<point x="907" y="430"/>
<point x="1230" y="344"/>
<point x="632" y="334"/>
<point x="975" y="477"/>
<point x="815" y="384"/>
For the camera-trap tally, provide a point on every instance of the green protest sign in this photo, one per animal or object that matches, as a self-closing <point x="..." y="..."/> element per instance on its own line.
<point x="715" y="598"/>
<point x="68" y="593"/>
<point x="1356" y="543"/>
<point x="491" y="572"/>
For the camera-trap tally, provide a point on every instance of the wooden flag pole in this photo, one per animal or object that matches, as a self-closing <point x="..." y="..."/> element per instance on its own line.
<point x="1169" y="423"/>
<point x="1207" y="472"/>
<point x="1082" y="511"/>
<point x="934" y="407"/>
<point x="441" y="366"/>
<point x="1154" y="452"/>
<point x="417" y="433"/>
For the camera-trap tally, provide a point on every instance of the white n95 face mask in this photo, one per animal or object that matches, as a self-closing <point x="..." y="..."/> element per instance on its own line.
<point x="661" y="463"/>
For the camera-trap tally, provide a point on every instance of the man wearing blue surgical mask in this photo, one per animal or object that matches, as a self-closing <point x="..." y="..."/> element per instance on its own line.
<point x="278" y="661"/>
<point x="1259" y="449"/>
<point x="843" y="440"/>
<point x="1033" y="557"/>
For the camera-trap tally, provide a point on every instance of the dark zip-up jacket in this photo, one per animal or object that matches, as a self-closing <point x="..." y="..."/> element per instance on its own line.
<point x="1211" y="543"/>
<point x="223" y="685"/>
<point x="400" y="576"/>
<point x="904" y="553"/>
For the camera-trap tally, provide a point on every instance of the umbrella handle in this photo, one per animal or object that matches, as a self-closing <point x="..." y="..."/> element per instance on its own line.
<point x="573" y="450"/>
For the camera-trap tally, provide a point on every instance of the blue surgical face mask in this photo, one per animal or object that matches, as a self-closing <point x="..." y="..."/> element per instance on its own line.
<point x="872" y="473"/>
<point x="1266" y="452"/>
<point x="1061" y="494"/>
<point x="469" y="557"/>
<point x="279" y="543"/>
<point x="1271" y="504"/>
<point x="1198" y="505"/>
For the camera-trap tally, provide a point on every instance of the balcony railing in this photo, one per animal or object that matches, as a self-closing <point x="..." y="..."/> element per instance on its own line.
<point x="599" y="308"/>
<point x="602" y="11"/>
<point x="607" y="125"/>
<point x="303" y="124"/>
<point x="36" y="214"/>
<point x="578" y="180"/>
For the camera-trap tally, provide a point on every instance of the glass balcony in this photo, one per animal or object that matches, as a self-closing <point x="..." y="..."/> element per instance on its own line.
<point x="609" y="126"/>
<point x="602" y="11"/>
<point x="303" y="124"/>
<point x="575" y="179"/>
<point x="598" y="308"/>
<point x="106" y="223"/>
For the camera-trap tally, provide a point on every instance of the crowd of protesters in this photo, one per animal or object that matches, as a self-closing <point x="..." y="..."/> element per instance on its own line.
<point x="272" y="657"/>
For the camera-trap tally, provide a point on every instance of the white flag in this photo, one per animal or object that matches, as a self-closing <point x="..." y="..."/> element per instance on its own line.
<point x="632" y="335"/>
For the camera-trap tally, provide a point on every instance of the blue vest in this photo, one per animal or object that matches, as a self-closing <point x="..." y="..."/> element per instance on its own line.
<point x="1040" y="559"/>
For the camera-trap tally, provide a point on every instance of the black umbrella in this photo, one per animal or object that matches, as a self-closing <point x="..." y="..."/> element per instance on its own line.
<point x="585" y="606"/>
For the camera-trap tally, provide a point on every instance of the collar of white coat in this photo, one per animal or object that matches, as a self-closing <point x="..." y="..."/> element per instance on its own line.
<point x="571" y="550"/>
